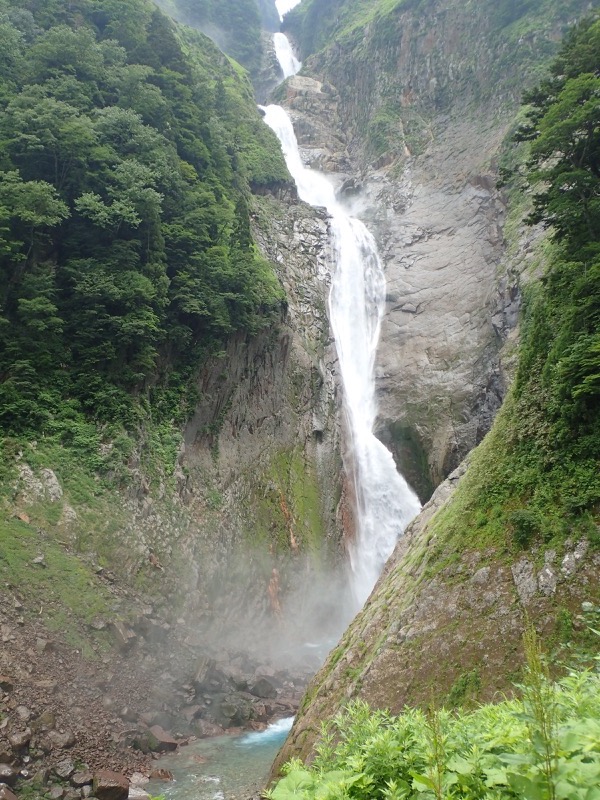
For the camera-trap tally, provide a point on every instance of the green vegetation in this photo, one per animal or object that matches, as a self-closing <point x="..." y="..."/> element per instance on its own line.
<point x="128" y="150"/>
<point x="544" y="746"/>
<point x="287" y="504"/>
<point x="393" y="38"/>
<point x="464" y="688"/>
<point x="235" y="25"/>
<point x="535" y="478"/>
<point x="62" y="587"/>
<point x="316" y="22"/>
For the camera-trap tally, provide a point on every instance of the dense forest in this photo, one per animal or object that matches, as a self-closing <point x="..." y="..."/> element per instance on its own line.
<point x="128" y="151"/>
<point x="235" y="25"/>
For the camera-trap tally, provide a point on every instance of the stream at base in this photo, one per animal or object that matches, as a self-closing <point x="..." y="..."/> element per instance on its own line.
<point x="222" y="768"/>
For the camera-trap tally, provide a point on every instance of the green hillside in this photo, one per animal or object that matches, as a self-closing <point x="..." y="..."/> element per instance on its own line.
<point x="318" y="23"/>
<point x="235" y="25"/>
<point x="128" y="151"/>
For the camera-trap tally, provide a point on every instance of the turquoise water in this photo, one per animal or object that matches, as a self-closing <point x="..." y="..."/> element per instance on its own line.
<point x="222" y="768"/>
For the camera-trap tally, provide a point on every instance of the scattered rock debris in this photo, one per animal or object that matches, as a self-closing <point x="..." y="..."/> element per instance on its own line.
<point x="77" y="727"/>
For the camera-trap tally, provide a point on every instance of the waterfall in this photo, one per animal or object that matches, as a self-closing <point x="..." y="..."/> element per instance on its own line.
<point x="285" y="55"/>
<point x="283" y="6"/>
<point x="385" y="503"/>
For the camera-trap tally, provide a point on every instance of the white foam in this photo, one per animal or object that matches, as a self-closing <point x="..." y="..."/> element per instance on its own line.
<point x="283" y="6"/>
<point x="276" y="730"/>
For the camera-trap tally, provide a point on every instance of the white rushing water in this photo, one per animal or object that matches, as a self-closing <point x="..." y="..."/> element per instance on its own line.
<point x="385" y="502"/>
<point x="283" y="6"/>
<point x="275" y="732"/>
<point x="285" y="55"/>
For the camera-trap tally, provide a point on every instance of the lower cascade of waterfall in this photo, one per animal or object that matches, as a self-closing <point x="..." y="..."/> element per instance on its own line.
<point x="385" y="503"/>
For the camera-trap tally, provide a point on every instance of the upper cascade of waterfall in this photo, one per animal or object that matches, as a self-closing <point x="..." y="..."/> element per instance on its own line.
<point x="385" y="503"/>
<point x="283" y="6"/>
<point x="285" y="55"/>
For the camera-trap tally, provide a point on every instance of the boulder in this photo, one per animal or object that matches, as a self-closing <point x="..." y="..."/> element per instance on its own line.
<point x="41" y="777"/>
<point x="82" y="779"/>
<point x="263" y="688"/>
<point x="109" y="785"/>
<point x="205" y="729"/>
<point x="23" y="713"/>
<point x="52" y="487"/>
<point x="5" y="793"/>
<point x="6" y="683"/>
<point x="62" y="740"/>
<point x="137" y="793"/>
<point x="260" y="712"/>
<point x="20" y="741"/>
<point x="236" y="710"/>
<point x="8" y="774"/>
<point x="138" y="779"/>
<point x="165" y="742"/>
<point x="45" y="722"/>
<point x="64" y="769"/>
<point x="236" y="678"/>
<point x="124" y="636"/>
<point x="203" y="673"/>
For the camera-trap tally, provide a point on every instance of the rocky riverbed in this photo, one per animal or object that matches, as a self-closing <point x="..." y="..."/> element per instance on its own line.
<point x="72" y="726"/>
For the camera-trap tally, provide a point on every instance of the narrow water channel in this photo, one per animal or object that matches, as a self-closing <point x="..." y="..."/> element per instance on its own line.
<point x="222" y="768"/>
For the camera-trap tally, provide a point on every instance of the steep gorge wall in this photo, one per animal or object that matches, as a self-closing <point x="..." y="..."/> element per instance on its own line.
<point x="421" y="163"/>
<point x="266" y="437"/>
<point x="409" y="111"/>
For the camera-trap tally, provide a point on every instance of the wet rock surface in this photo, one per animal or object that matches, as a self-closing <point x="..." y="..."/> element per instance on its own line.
<point x="410" y="126"/>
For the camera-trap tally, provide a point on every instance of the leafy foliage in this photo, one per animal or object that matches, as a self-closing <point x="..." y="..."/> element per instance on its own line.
<point x="497" y="751"/>
<point x="128" y="151"/>
<point x="560" y="356"/>
<point x="235" y="25"/>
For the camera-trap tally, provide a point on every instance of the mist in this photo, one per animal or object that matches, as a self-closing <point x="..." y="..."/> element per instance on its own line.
<point x="287" y="611"/>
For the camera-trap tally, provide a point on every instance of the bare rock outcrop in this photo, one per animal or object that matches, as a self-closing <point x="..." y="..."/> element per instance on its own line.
<point x="410" y="121"/>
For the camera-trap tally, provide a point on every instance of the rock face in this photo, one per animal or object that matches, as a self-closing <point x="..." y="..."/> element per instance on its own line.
<point x="263" y="445"/>
<point x="439" y="625"/>
<point x="409" y="114"/>
<point x="110" y="786"/>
